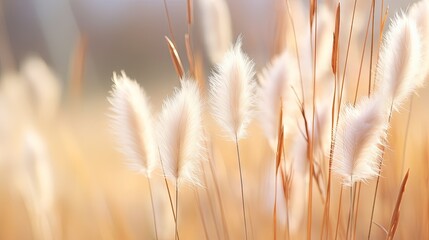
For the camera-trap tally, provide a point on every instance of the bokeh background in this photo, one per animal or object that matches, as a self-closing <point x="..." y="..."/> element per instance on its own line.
<point x="96" y="196"/>
<point x="129" y="35"/>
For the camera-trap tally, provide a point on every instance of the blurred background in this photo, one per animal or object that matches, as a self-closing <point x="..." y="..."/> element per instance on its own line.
<point x="127" y="35"/>
<point x="95" y="196"/>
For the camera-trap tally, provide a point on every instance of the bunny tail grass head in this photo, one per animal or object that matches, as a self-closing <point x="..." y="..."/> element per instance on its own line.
<point x="44" y="86"/>
<point x="233" y="92"/>
<point x="361" y="132"/>
<point x="216" y="26"/>
<point x="132" y="124"/>
<point x="180" y="133"/>
<point x="276" y="81"/>
<point x="400" y="61"/>
<point x="419" y="13"/>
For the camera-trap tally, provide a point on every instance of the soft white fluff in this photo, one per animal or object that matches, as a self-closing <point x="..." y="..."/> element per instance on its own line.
<point x="38" y="168"/>
<point x="233" y="92"/>
<point x="43" y="85"/>
<point x="277" y="80"/>
<point x="35" y="182"/>
<point x="180" y="133"/>
<point x="132" y="123"/>
<point x="361" y="132"/>
<point x="419" y="13"/>
<point x="216" y="26"/>
<point x="400" y="61"/>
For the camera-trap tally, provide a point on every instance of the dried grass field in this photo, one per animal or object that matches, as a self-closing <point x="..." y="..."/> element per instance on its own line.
<point x="320" y="134"/>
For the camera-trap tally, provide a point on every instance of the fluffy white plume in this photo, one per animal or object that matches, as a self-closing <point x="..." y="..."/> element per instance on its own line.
<point x="38" y="168"/>
<point x="419" y="13"/>
<point x="277" y="80"/>
<point x="132" y="123"/>
<point x="180" y="133"/>
<point x="35" y="183"/>
<point x="361" y="132"/>
<point x="216" y="27"/>
<point x="43" y="85"/>
<point x="400" y="61"/>
<point x="233" y="92"/>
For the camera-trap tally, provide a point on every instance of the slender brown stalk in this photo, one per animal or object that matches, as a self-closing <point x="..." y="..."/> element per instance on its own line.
<point x="334" y="65"/>
<point x="372" y="48"/>
<point x="395" y="216"/>
<point x="378" y="180"/>
<point x="351" y="210"/>
<point x="170" y="28"/>
<point x="339" y="213"/>
<point x="190" y="54"/>
<point x="347" y="56"/>
<point x="201" y="214"/>
<point x="380" y="37"/>
<point x="363" y="54"/>
<point x="314" y="14"/>
<point x="369" y="92"/>
<point x="313" y="9"/>
<point x="296" y="51"/>
<point x="168" y="190"/>
<point x="175" y="58"/>
<point x="222" y="211"/>
<point x="77" y="68"/>
<point x="275" y="208"/>
<point x="212" y="211"/>
<point x="241" y="185"/>
<point x="177" y="211"/>
<point x="153" y="207"/>
<point x="334" y="58"/>
<point x="357" y="210"/>
<point x="280" y="137"/>
<point x="287" y="182"/>
<point x="189" y="4"/>
<point x="404" y="152"/>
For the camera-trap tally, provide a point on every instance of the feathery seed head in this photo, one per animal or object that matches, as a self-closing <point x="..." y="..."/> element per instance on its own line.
<point x="180" y="133"/>
<point x="276" y="81"/>
<point x="216" y="26"/>
<point x="400" y="60"/>
<point x="233" y="92"/>
<point x="132" y="124"/>
<point x="361" y="132"/>
<point x="43" y="85"/>
<point x="419" y="13"/>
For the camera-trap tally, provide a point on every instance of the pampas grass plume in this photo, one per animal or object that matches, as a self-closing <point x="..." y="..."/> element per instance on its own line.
<point x="400" y="60"/>
<point x="216" y="27"/>
<point x="233" y="92"/>
<point x="419" y="13"/>
<point x="276" y="86"/>
<point x="361" y="132"/>
<point x="44" y="86"/>
<point x="132" y="124"/>
<point x="180" y="133"/>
